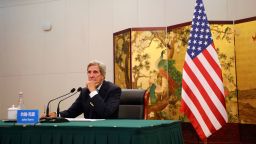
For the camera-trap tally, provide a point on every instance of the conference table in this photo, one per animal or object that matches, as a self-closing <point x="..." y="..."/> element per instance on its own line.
<point x="93" y="132"/>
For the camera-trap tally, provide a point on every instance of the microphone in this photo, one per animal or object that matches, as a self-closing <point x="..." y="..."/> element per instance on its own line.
<point x="58" y="108"/>
<point x="47" y="108"/>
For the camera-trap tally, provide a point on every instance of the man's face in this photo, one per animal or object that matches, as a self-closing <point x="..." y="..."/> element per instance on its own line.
<point x="94" y="74"/>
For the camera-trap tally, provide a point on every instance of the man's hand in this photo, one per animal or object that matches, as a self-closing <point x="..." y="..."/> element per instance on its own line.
<point x="92" y="85"/>
<point x="51" y="114"/>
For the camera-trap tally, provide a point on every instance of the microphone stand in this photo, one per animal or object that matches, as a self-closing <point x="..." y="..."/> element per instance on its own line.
<point x="47" y="108"/>
<point x="48" y="118"/>
<point x="58" y="107"/>
<point x="59" y="119"/>
<point x="53" y="120"/>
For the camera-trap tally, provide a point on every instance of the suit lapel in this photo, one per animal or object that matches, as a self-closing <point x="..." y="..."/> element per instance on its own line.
<point x="103" y="90"/>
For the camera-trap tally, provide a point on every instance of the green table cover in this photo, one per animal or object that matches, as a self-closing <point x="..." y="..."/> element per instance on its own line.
<point x="93" y="132"/>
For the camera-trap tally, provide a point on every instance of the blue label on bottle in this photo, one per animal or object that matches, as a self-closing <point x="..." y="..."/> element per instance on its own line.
<point x="27" y="116"/>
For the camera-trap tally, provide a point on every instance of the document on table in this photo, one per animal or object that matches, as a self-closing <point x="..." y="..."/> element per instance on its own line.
<point x="83" y="119"/>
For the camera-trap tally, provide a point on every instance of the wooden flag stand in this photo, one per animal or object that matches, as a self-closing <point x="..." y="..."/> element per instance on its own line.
<point x="205" y="141"/>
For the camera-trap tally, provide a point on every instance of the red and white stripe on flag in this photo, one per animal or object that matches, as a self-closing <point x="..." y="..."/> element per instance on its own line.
<point x="203" y="99"/>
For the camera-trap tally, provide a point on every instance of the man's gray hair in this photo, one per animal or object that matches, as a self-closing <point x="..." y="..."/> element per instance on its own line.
<point x="101" y="66"/>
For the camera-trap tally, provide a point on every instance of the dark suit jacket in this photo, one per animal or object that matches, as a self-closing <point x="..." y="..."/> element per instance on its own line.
<point x="104" y="105"/>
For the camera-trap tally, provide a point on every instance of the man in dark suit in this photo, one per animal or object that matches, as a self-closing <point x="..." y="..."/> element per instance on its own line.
<point x="99" y="99"/>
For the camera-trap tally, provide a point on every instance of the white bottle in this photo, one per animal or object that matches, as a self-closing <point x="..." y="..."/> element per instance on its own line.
<point x="20" y="101"/>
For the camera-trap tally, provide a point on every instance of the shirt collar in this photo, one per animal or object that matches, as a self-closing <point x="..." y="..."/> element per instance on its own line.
<point x="98" y="88"/>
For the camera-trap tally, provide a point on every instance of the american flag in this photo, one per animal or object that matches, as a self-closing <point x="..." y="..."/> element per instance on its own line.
<point x="203" y="100"/>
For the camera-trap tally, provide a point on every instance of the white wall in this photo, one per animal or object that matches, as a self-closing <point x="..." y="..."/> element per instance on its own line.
<point x="46" y="64"/>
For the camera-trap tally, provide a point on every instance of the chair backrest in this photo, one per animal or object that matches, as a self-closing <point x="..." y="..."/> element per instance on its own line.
<point x="132" y="104"/>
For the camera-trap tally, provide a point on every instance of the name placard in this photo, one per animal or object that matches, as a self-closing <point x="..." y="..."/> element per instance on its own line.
<point x="28" y="116"/>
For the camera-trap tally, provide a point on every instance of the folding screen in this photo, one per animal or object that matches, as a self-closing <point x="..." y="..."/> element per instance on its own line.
<point x="152" y="59"/>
